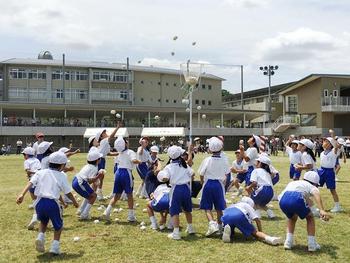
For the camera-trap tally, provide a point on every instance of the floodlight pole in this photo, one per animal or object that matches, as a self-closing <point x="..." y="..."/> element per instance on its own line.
<point x="190" y="105"/>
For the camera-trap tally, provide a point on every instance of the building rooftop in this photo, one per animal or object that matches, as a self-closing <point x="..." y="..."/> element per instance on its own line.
<point x="98" y="65"/>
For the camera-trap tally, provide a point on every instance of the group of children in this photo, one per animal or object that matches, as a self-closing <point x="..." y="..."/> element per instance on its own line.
<point x="170" y="188"/>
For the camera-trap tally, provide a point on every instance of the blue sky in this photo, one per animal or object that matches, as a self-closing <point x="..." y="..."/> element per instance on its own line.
<point x="300" y="36"/>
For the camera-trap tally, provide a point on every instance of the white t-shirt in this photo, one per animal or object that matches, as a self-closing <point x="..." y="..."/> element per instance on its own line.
<point x="261" y="177"/>
<point x="247" y="210"/>
<point x="35" y="147"/>
<point x="252" y="154"/>
<point x="104" y="147"/>
<point x="50" y="183"/>
<point x="32" y="164"/>
<point x="116" y="160"/>
<point x="301" y="186"/>
<point x="307" y="159"/>
<point x="145" y="156"/>
<point x="328" y="160"/>
<point x="214" y="168"/>
<point x="125" y="159"/>
<point x="240" y="166"/>
<point x="87" y="172"/>
<point x="45" y="163"/>
<point x="160" y="191"/>
<point x="177" y="174"/>
<point x="294" y="157"/>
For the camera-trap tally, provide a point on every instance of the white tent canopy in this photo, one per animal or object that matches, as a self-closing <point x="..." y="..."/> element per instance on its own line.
<point x="92" y="132"/>
<point x="163" y="131"/>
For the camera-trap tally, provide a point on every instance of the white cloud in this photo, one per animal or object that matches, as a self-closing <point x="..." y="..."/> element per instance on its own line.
<point x="301" y="44"/>
<point x="246" y="3"/>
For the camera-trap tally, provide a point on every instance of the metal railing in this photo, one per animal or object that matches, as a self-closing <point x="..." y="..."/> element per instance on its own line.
<point x="331" y="103"/>
<point x="286" y="119"/>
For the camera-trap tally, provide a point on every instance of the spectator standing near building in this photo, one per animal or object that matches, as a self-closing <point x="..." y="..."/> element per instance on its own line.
<point x="19" y="144"/>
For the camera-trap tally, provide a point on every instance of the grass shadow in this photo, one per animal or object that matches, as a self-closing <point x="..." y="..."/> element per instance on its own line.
<point x="330" y="250"/>
<point x="48" y="257"/>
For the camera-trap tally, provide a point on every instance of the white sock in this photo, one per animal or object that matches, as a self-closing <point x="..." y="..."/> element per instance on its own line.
<point x="336" y="204"/>
<point x="87" y="209"/>
<point x="212" y="222"/>
<point x="153" y="220"/>
<point x="131" y="212"/>
<point x="268" y="239"/>
<point x="55" y="243"/>
<point x="311" y="239"/>
<point x="41" y="236"/>
<point x="189" y="225"/>
<point x="176" y="230"/>
<point x="289" y="237"/>
<point x="35" y="217"/>
<point x="83" y="205"/>
<point x="108" y="210"/>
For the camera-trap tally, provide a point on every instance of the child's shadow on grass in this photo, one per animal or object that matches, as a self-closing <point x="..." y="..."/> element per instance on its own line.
<point x="48" y="257"/>
<point x="330" y="250"/>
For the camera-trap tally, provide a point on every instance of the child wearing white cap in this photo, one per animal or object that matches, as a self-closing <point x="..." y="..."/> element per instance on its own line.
<point x="102" y="140"/>
<point x="241" y="215"/>
<point x="44" y="151"/>
<point x="261" y="187"/>
<point x="142" y="169"/>
<point x="308" y="159"/>
<point x="31" y="166"/>
<point x="48" y="185"/>
<point x="86" y="178"/>
<point x="294" y="202"/>
<point x="250" y="155"/>
<point x="294" y="157"/>
<point x="151" y="181"/>
<point x="123" y="178"/>
<point x="326" y="172"/>
<point x="213" y="172"/>
<point x="240" y="168"/>
<point x="159" y="203"/>
<point x="179" y="177"/>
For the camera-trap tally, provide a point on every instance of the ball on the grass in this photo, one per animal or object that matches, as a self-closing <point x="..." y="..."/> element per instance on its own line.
<point x="120" y="209"/>
<point x="76" y="239"/>
<point x="112" y="112"/>
<point x="96" y="221"/>
<point x="116" y="210"/>
<point x="116" y="220"/>
<point x="142" y="223"/>
<point x="144" y="210"/>
<point x="100" y="208"/>
<point x="137" y="204"/>
<point x="142" y="228"/>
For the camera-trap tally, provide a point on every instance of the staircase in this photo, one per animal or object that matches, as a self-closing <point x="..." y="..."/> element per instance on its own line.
<point x="285" y="122"/>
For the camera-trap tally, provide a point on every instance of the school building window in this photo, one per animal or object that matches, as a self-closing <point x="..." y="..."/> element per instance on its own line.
<point x="174" y="84"/>
<point x="123" y="94"/>
<point x="203" y="102"/>
<point x="325" y="93"/>
<point x="335" y="93"/>
<point x="175" y="101"/>
<point x="81" y="75"/>
<point x="141" y="81"/>
<point x="209" y="102"/>
<point x="292" y="104"/>
<point x="56" y="75"/>
<point x="82" y="94"/>
<point x="197" y="102"/>
<point x="59" y="94"/>
<point x="166" y="84"/>
<point x="167" y="101"/>
<point x="209" y="87"/>
<point x="159" y="83"/>
<point x="141" y="99"/>
<point x="36" y="74"/>
<point x="259" y="100"/>
<point x="18" y="73"/>
<point x="203" y="86"/>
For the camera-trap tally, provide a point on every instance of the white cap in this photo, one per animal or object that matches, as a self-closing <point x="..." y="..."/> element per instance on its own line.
<point x="119" y="144"/>
<point x="162" y="175"/>
<point x="98" y="134"/>
<point x="248" y="200"/>
<point x="58" y="158"/>
<point x="312" y="177"/>
<point x="309" y="144"/>
<point x="215" y="144"/>
<point x="63" y="150"/>
<point x="332" y="141"/>
<point x="257" y="140"/>
<point x="29" y="151"/>
<point x="93" y="155"/>
<point x="91" y="139"/>
<point x="43" y="146"/>
<point x="341" y="141"/>
<point x="264" y="159"/>
<point x="175" y="152"/>
<point x="155" y="149"/>
<point x="296" y="141"/>
<point x="180" y="141"/>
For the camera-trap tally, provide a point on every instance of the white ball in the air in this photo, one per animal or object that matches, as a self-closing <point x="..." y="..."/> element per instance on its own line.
<point x="118" y="115"/>
<point x="112" y="112"/>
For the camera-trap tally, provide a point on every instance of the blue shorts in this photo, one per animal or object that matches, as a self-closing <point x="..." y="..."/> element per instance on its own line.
<point x="241" y="177"/>
<point x="263" y="195"/>
<point x="142" y="170"/>
<point x="327" y="176"/>
<point x="276" y="179"/>
<point x="213" y="194"/>
<point x="115" y="168"/>
<point x="248" y="174"/>
<point x="236" y="218"/>
<point x="162" y="204"/>
<point x="83" y="189"/>
<point x="293" y="173"/>
<point x="123" y="181"/>
<point x="48" y="209"/>
<point x="101" y="164"/>
<point x="228" y="181"/>
<point x="293" y="203"/>
<point x="180" y="198"/>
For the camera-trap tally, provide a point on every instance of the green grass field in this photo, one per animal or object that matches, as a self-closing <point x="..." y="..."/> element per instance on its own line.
<point x="125" y="242"/>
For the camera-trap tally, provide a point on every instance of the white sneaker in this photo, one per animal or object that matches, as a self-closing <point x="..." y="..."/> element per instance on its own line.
<point x="270" y="214"/>
<point x="99" y="195"/>
<point x="213" y="228"/>
<point x="336" y="209"/>
<point x="312" y="247"/>
<point x="161" y="227"/>
<point x="32" y="223"/>
<point x="226" y="236"/>
<point x="78" y="212"/>
<point x="288" y="244"/>
<point x="55" y="249"/>
<point x="190" y="230"/>
<point x="131" y="218"/>
<point x="84" y="217"/>
<point x="40" y="245"/>
<point x="174" y="236"/>
<point x="170" y="225"/>
<point x="154" y="226"/>
<point x="31" y="206"/>
<point x="273" y="240"/>
<point x="106" y="216"/>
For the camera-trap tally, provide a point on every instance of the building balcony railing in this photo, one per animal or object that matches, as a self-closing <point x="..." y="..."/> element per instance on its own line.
<point x="335" y="104"/>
